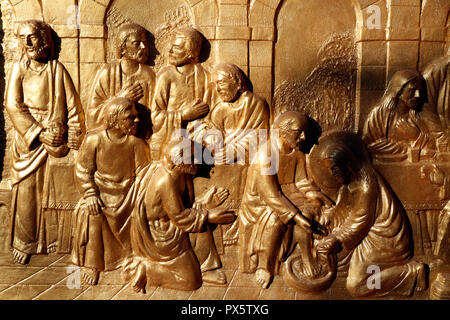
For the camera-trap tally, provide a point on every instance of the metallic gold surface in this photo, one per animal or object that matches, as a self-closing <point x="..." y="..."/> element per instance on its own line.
<point x="229" y="149"/>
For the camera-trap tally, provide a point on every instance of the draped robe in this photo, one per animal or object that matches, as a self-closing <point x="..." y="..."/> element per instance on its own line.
<point x="36" y="100"/>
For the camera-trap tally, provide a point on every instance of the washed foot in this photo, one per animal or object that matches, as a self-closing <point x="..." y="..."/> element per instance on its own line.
<point x="214" y="276"/>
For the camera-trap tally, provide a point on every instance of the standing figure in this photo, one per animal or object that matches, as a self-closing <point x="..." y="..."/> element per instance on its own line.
<point x="266" y="214"/>
<point x="182" y="95"/>
<point x="399" y="126"/>
<point x="162" y="220"/>
<point x="108" y="171"/>
<point x="182" y="91"/>
<point x="374" y="225"/>
<point x="127" y="77"/>
<point x="46" y="113"/>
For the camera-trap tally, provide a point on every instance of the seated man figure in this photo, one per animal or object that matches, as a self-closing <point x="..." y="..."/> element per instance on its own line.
<point x="229" y="131"/>
<point x="107" y="172"/>
<point x="266" y="213"/>
<point x="162" y="221"/>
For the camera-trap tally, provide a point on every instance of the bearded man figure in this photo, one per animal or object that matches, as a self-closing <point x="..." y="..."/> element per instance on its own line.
<point x="163" y="219"/>
<point x="127" y="77"/>
<point x="48" y="121"/>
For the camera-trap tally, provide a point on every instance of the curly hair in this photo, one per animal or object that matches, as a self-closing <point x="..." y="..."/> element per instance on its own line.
<point x="45" y="33"/>
<point x="194" y="40"/>
<point x="125" y="31"/>
<point x="114" y="107"/>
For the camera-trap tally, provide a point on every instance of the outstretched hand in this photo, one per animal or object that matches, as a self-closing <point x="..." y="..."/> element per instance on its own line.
<point x="220" y="216"/>
<point x="328" y="245"/>
<point x="214" y="197"/>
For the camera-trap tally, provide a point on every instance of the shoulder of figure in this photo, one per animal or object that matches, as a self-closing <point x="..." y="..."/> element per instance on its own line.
<point x="148" y="71"/>
<point x="17" y="67"/>
<point x="138" y="142"/>
<point x="95" y="136"/>
<point x="167" y="70"/>
<point x="255" y="99"/>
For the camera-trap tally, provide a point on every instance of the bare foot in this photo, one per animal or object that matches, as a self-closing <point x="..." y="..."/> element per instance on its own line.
<point x="311" y="269"/>
<point x="263" y="278"/>
<point x="214" y="276"/>
<point x="421" y="283"/>
<point x="140" y="279"/>
<point x="20" y="257"/>
<point x="90" y="276"/>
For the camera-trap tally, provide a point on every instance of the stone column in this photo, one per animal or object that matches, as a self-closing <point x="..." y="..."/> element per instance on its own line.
<point x="92" y="35"/>
<point x="233" y="33"/>
<point x="434" y="33"/>
<point x="372" y="54"/>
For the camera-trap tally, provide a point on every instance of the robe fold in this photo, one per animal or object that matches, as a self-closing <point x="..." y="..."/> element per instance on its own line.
<point x="378" y="229"/>
<point x="38" y="100"/>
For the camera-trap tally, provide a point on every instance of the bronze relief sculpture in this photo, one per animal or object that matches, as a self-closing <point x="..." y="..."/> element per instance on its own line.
<point x="47" y="117"/>
<point x="189" y="177"/>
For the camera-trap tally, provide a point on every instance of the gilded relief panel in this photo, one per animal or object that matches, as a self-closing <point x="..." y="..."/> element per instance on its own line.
<point x="225" y="150"/>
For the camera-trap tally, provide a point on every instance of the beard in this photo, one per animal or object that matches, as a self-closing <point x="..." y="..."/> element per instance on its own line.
<point x="179" y="61"/>
<point x="140" y="56"/>
<point x="35" y="52"/>
<point x="226" y="96"/>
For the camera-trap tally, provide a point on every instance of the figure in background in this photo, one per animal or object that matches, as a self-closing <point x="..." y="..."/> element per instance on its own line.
<point x="182" y="95"/>
<point x="398" y="126"/>
<point x="164" y="216"/>
<point x="127" y="77"/>
<point x="374" y="225"/>
<point x="234" y="126"/>
<point x="46" y="113"/>
<point x="182" y="91"/>
<point x="437" y="76"/>
<point x="266" y="214"/>
<point x="109" y="168"/>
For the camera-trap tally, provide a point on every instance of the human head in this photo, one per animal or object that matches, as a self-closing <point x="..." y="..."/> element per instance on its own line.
<point x="229" y="81"/>
<point x="337" y="158"/>
<point x="132" y="43"/>
<point x="35" y="39"/>
<point x="121" y="114"/>
<point x="178" y="156"/>
<point x="405" y="87"/>
<point x="185" y="47"/>
<point x="292" y="126"/>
